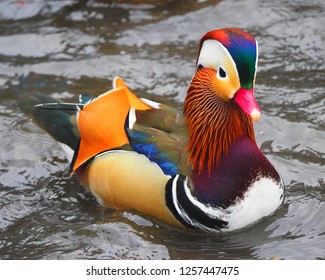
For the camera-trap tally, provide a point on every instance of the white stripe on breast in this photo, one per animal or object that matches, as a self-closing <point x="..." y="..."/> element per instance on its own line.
<point x="175" y="201"/>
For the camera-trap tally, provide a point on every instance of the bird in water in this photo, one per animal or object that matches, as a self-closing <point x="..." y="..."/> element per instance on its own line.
<point x="197" y="169"/>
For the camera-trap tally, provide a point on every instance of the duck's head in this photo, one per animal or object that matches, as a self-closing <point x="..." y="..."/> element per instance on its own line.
<point x="220" y="105"/>
<point x="232" y="55"/>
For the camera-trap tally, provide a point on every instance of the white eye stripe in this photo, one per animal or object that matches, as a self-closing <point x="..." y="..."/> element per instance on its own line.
<point x="256" y="61"/>
<point x="210" y="54"/>
<point x="214" y="55"/>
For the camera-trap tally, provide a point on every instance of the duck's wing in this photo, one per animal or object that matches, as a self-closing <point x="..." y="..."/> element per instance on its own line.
<point x="161" y="135"/>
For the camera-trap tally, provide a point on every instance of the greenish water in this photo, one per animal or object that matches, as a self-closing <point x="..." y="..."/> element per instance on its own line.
<point x="64" y="48"/>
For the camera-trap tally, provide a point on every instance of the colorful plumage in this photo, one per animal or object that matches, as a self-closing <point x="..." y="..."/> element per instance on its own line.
<point x="200" y="168"/>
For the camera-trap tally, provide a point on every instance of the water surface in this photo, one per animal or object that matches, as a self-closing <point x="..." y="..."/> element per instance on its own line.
<point x="64" y="48"/>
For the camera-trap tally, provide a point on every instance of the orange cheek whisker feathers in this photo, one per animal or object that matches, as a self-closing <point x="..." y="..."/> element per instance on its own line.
<point x="211" y="134"/>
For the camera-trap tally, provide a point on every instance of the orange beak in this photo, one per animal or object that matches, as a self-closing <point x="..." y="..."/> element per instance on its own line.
<point x="246" y="101"/>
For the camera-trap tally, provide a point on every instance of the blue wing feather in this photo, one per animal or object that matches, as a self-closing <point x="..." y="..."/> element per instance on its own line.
<point x="140" y="144"/>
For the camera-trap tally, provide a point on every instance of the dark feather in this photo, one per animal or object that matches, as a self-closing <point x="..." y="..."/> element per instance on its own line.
<point x="58" y="120"/>
<point x="60" y="106"/>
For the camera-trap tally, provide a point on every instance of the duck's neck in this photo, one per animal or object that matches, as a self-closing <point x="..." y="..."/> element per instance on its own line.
<point x="213" y="124"/>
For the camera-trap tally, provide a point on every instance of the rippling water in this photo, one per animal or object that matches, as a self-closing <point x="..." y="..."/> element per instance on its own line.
<point x="63" y="48"/>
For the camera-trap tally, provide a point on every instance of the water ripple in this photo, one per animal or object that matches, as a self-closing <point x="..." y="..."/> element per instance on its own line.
<point x="81" y="46"/>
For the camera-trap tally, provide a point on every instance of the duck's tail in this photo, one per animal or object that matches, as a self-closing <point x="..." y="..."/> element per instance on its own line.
<point x="57" y="119"/>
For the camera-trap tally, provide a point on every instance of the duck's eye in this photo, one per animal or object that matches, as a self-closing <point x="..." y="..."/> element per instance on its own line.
<point x="222" y="72"/>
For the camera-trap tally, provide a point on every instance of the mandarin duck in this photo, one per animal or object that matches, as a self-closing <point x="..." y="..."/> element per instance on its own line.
<point x="199" y="169"/>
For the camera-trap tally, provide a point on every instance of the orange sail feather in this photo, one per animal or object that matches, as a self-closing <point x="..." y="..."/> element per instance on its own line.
<point x="101" y="122"/>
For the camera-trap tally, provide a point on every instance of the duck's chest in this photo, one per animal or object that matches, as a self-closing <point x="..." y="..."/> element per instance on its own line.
<point x="238" y="171"/>
<point x="259" y="200"/>
<point x="242" y="189"/>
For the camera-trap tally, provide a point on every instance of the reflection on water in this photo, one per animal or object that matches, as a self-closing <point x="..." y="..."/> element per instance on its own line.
<point x="64" y="48"/>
